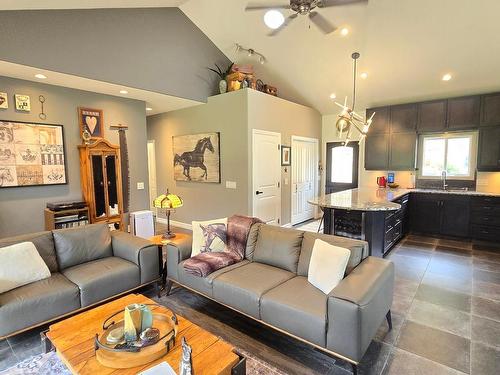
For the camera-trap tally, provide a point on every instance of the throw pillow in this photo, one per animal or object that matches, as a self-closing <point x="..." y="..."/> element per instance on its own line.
<point x="209" y="236"/>
<point x="327" y="265"/>
<point x="21" y="264"/>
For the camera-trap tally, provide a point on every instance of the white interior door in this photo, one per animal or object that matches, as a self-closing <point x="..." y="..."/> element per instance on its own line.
<point x="266" y="170"/>
<point x="303" y="177"/>
<point x="153" y="191"/>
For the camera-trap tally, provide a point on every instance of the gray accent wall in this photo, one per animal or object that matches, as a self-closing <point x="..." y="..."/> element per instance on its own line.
<point x="154" y="49"/>
<point x="22" y="208"/>
<point x="234" y="115"/>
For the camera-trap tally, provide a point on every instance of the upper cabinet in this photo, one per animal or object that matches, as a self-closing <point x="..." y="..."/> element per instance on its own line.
<point x="403" y="118"/>
<point x="432" y="116"/>
<point x="490" y="109"/>
<point x="488" y="158"/>
<point x="380" y="122"/>
<point x="463" y="113"/>
<point x="377" y="152"/>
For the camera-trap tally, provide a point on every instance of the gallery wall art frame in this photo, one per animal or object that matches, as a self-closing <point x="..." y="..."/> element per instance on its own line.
<point x="4" y="100"/>
<point x="197" y="157"/>
<point x="286" y="155"/>
<point x="32" y="154"/>
<point x="92" y="121"/>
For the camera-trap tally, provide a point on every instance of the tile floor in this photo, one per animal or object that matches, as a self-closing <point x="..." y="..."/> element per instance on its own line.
<point x="446" y="318"/>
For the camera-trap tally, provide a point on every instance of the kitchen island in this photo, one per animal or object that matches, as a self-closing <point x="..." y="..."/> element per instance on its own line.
<point x="382" y="216"/>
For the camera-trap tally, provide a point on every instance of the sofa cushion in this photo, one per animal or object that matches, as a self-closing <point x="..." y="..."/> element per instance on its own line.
<point x="103" y="278"/>
<point x="252" y="240"/>
<point x="37" y="302"/>
<point x="204" y="284"/>
<point x="279" y="247"/>
<point x="242" y="288"/>
<point x="83" y="244"/>
<point x="297" y="307"/>
<point x="44" y="243"/>
<point x="209" y="236"/>
<point x="359" y="250"/>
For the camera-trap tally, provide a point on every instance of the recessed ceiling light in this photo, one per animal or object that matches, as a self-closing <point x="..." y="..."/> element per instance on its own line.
<point x="364" y="75"/>
<point x="333" y="96"/>
<point x="123" y="92"/>
<point x="344" y="31"/>
<point x="40" y="76"/>
<point x="446" y="77"/>
<point x="149" y="109"/>
<point x="273" y="19"/>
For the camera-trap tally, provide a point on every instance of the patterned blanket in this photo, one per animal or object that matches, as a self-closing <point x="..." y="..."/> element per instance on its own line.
<point x="238" y="228"/>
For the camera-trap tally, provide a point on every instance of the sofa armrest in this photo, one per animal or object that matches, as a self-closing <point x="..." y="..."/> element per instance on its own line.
<point x="139" y="251"/>
<point x="358" y="305"/>
<point x="176" y="253"/>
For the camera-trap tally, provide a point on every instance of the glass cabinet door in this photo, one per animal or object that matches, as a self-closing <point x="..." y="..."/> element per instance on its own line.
<point x="111" y="177"/>
<point x="98" y="185"/>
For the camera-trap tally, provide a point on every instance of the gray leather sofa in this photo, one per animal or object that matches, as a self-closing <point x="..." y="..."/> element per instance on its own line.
<point x="270" y="285"/>
<point x="88" y="265"/>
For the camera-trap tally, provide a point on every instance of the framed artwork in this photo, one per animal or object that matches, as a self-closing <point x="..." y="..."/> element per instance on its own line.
<point x="22" y="103"/>
<point x="91" y="120"/>
<point x="4" y="100"/>
<point x="286" y="155"/>
<point x="31" y="154"/>
<point x="197" y="157"/>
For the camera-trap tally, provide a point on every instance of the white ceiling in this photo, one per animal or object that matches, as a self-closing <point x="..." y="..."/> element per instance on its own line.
<point x="406" y="46"/>
<point x="158" y="102"/>
<point x="86" y="4"/>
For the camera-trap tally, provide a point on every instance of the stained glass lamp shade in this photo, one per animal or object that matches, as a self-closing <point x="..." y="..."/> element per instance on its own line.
<point x="168" y="202"/>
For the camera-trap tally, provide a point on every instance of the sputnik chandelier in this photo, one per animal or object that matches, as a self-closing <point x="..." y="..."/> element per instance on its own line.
<point x="348" y="119"/>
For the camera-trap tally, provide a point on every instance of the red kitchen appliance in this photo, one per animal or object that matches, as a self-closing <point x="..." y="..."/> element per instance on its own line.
<point x="382" y="181"/>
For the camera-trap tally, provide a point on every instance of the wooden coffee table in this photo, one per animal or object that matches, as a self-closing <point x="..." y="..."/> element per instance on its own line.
<point x="73" y="339"/>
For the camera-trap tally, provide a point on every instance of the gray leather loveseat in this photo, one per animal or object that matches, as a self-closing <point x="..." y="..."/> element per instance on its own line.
<point x="270" y="285"/>
<point x="88" y="265"/>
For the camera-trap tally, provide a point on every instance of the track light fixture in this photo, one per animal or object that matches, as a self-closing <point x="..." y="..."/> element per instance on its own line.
<point x="251" y="52"/>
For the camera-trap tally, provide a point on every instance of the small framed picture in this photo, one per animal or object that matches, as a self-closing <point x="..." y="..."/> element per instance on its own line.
<point x="91" y="120"/>
<point x="22" y="103"/>
<point x="286" y="155"/>
<point x="4" y="100"/>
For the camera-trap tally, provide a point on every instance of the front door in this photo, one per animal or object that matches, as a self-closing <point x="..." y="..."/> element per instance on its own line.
<point x="341" y="166"/>
<point x="266" y="167"/>
<point x="303" y="177"/>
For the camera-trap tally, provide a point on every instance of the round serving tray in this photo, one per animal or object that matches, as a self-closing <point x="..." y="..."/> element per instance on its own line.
<point x="108" y="356"/>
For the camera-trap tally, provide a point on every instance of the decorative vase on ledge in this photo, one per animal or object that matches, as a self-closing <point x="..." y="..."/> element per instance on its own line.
<point x="222" y="86"/>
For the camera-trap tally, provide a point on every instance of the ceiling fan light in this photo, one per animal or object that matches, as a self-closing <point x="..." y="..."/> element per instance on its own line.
<point x="274" y="19"/>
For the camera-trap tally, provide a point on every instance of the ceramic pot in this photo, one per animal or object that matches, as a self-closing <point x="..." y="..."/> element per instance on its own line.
<point x="222" y="86"/>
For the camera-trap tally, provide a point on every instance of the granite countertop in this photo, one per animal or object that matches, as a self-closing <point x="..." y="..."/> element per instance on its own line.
<point x="377" y="199"/>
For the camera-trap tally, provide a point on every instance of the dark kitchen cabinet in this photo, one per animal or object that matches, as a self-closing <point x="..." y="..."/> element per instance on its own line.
<point x="377" y="151"/>
<point x="432" y="116"/>
<point x="402" y="151"/>
<point x="455" y="215"/>
<point x="490" y="109"/>
<point x="380" y="123"/>
<point x="463" y="113"/>
<point x="403" y="118"/>
<point x="488" y="158"/>
<point x="425" y="216"/>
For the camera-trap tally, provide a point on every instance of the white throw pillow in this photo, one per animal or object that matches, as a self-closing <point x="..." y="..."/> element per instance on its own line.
<point x="327" y="265"/>
<point x="209" y="236"/>
<point x="21" y="264"/>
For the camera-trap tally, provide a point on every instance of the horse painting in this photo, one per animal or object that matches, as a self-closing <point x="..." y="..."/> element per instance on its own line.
<point x="5" y="177"/>
<point x="208" y="164"/>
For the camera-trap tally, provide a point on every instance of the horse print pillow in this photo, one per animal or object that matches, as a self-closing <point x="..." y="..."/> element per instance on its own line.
<point x="209" y="236"/>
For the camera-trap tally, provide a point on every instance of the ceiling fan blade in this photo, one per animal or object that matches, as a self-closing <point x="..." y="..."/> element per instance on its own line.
<point x="289" y="19"/>
<point x="335" y="3"/>
<point x="250" y="7"/>
<point x="323" y="24"/>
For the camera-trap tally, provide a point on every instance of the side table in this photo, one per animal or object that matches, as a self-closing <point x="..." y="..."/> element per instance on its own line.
<point x="159" y="241"/>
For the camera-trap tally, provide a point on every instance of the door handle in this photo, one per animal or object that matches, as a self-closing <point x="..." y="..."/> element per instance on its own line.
<point x="259" y="192"/>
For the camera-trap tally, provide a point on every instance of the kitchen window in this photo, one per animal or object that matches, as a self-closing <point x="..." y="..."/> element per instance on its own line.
<point x="454" y="153"/>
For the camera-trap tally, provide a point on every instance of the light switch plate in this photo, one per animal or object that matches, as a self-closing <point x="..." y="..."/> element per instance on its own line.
<point x="231" y="184"/>
<point x="286" y="181"/>
<point x="140" y="186"/>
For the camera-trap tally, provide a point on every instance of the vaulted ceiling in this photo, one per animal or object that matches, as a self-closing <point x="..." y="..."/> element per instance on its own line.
<point x="406" y="47"/>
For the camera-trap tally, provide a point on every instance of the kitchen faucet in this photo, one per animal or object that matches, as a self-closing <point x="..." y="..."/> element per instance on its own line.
<point x="443" y="177"/>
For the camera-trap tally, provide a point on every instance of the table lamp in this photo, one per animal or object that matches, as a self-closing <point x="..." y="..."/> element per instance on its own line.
<point x="169" y="202"/>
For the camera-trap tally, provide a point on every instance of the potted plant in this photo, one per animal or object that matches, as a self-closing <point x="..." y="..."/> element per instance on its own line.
<point x="222" y="74"/>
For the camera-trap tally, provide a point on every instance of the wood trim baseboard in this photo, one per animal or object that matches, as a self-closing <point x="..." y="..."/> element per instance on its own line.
<point x="174" y="223"/>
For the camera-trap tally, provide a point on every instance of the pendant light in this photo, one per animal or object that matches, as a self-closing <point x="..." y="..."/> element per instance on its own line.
<point x="348" y="119"/>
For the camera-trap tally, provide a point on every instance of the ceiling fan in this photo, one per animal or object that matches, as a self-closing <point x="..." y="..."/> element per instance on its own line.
<point x="306" y="7"/>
